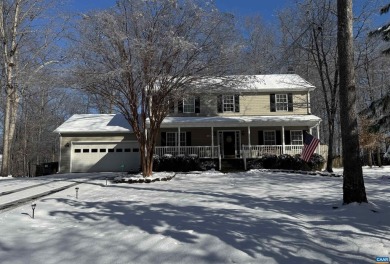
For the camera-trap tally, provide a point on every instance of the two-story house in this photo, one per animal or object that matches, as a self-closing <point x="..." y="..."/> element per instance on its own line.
<point x="260" y="114"/>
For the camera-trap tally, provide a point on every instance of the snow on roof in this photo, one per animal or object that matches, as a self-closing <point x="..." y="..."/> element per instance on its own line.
<point x="95" y="123"/>
<point x="264" y="83"/>
<point x="116" y="123"/>
<point x="241" y="121"/>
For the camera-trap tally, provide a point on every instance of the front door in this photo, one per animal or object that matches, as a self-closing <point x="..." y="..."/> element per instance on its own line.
<point x="229" y="144"/>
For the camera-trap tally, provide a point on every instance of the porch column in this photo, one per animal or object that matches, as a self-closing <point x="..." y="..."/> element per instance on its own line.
<point x="283" y="141"/>
<point x="318" y="136"/>
<point x="212" y="142"/>
<point x="178" y="140"/>
<point x="249" y="136"/>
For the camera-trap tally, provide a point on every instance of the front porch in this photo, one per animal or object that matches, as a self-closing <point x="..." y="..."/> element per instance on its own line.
<point x="235" y="137"/>
<point x="252" y="151"/>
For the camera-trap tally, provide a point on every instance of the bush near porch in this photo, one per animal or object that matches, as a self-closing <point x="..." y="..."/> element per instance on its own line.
<point x="181" y="163"/>
<point x="287" y="162"/>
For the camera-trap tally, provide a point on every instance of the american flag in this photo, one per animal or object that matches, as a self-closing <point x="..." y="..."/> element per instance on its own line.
<point x="310" y="144"/>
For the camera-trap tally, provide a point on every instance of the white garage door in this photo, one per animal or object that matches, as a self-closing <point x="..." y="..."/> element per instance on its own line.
<point x="112" y="156"/>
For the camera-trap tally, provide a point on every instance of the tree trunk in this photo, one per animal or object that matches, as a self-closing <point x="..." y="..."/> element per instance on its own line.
<point x="378" y="157"/>
<point x="353" y="184"/>
<point x="369" y="157"/>
<point x="329" y="162"/>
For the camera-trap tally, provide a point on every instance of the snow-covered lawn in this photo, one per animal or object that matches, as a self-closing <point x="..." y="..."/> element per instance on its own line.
<point x="251" y="217"/>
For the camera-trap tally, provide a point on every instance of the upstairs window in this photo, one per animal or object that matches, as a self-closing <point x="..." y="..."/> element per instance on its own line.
<point x="189" y="105"/>
<point x="228" y="103"/>
<point x="281" y="102"/>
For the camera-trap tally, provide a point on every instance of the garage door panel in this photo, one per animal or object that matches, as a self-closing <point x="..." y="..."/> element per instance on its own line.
<point x="96" y="157"/>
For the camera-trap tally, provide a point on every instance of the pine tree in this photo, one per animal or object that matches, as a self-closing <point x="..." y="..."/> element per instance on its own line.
<point x="383" y="31"/>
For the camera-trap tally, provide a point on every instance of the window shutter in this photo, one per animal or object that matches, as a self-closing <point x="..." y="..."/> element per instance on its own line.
<point x="171" y="107"/>
<point x="290" y="102"/>
<point x="237" y="103"/>
<point x="219" y="104"/>
<point x="272" y="103"/>
<point x="287" y="137"/>
<point x="278" y="135"/>
<point x="188" y="138"/>
<point x="180" y="106"/>
<point x="163" y="139"/>
<point x="260" y="138"/>
<point x="197" y="104"/>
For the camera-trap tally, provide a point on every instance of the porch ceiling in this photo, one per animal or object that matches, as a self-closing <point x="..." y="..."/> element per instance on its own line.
<point x="241" y="121"/>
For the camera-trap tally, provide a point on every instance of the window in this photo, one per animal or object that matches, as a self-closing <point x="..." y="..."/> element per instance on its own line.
<point x="85" y="150"/>
<point x="119" y="150"/>
<point x="189" y="105"/>
<point x="94" y="150"/>
<point x="127" y="150"/>
<point x="111" y="150"/>
<point x="296" y="137"/>
<point x="77" y="151"/>
<point x="103" y="150"/>
<point x="281" y="102"/>
<point x="135" y="150"/>
<point x="269" y="137"/>
<point x="228" y="103"/>
<point x="172" y="139"/>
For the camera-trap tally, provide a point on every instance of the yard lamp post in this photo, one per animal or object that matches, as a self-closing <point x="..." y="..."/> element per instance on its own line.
<point x="77" y="192"/>
<point x="33" y="209"/>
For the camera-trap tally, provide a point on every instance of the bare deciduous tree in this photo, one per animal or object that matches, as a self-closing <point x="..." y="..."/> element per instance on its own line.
<point x="26" y="43"/>
<point x="143" y="55"/>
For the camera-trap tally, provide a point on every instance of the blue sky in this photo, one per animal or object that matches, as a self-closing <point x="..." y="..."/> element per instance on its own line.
<point x="266" y="8"/>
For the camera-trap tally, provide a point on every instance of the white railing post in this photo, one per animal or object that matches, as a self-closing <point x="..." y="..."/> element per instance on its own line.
<point x="219" y="158"/>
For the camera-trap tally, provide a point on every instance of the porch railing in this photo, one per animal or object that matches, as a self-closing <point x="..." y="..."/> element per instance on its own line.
<point x="256" y="151"/>
<point x="200" y="151"/>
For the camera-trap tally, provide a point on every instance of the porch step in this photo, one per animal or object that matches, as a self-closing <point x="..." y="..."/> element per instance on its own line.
<point x="229" y="165"/>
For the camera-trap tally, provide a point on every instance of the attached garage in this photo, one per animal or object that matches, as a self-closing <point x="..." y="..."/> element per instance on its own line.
<point x="97" y="143"/>
<point x="105" y="156"/>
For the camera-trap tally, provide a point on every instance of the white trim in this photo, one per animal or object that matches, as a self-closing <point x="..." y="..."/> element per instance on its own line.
<point x="249" y="135"/>
<point x="240" y="121"/>
<point x="283" y="141"/>
<point x="212" y="141"/>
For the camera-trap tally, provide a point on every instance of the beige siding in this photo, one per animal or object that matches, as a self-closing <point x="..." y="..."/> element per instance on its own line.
<point x="251" y="104"/>
<point x="67" y="140"/>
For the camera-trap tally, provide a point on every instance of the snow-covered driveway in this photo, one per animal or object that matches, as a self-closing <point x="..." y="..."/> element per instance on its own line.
<point x="251" y="217"/>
